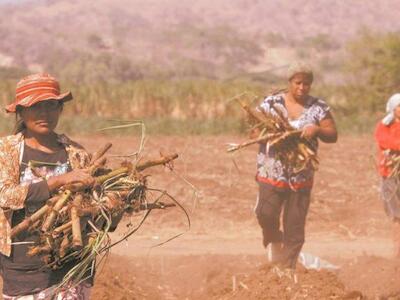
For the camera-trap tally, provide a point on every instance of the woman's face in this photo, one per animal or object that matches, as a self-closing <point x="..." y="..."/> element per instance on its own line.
<point x="300" y="86"/>
<point x="397" y="113"/>
<point x="42" y="117"/>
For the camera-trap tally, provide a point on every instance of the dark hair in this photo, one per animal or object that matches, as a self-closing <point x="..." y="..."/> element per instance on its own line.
<point x="19" y="126"/>
<point x="19" y="123"/>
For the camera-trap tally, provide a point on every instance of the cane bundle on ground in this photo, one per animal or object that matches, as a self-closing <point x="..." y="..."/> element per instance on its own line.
<point x="74" y="224"/>
<point x="294" y="151"/>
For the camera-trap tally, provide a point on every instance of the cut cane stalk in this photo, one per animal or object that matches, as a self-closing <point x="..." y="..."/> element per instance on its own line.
<point x="100" y="153"/>
<point x="34" y="226"/>
<point x="284" y="138"/>
<point x="125" y="170"/>
<point x="151" y="163"/>
<point x="64" y="211"/>
<point x="76" y="223"/>
<point x="89" y="211"/>
<point x="252" y="113"/>
<point x="116" y="191"/>
<point x="112" y="174"/>
<point x="282" y="118"/>
<point x="54" y="212"/>
<point x="258" y="125"/>
<point x="294" y="152"/>
<point x="38" y="250"/>
<point x="235" y="147"/>
<point x="97" y="165"/>
<point x="27" y="222"/>
<point x="63" y="228"/>
<point x="49" y="241"/>
<point x="303" y="151"/>
<point x="65" y="245"/>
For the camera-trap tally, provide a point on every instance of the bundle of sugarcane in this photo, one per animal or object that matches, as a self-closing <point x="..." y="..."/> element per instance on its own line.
<point x="74" y="224"/>
<point x="392" y="161"/>
<point x="295" y="152"/>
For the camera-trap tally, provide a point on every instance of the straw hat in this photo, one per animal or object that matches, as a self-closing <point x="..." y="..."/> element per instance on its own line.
<point x="35" y="88"/>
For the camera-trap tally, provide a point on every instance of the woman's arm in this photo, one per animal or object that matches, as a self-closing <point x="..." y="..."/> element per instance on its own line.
<point x="77" y="176"/>
<point x="12" y="194"/>
<point x="326" y="130"/>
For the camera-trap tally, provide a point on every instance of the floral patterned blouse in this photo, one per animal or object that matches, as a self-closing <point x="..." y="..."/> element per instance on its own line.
<point x="270" y="170"/>
<point x="12" y="193"/>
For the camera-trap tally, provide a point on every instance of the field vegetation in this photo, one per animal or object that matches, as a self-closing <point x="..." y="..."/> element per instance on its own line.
<point x="187" y="89"/>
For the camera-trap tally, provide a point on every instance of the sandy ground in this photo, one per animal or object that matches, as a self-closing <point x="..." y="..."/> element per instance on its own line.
<point x="221" y="256"/>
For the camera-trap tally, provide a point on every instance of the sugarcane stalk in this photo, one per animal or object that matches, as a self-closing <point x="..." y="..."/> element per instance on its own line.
<point x="124" y="170"/>
<point x="284" y="137"/>
<point x="258" y="125"/>
<point x="88" y="211"/>
<point x="64" y="246"/>
<point x="28" y="221"/>
<point x="314" y="163"/>
<point x="252" y="113"/>
<point x="110" y="205"/>
<point x="62" y="228"/>
<point x="100" y="153"/>
<point x="34" y="226"/>
<point x="63" y="211"/>
<point x="76" y="223"/>
<point x="101" y="179"/>
<point x="265" y="137"/>
<point x="282" y="118"/>
<point x="97" y="164"/>
<point x="156" y="162"/>
<point x="303" y="150"/>
<point x="37" y="250"/>
<point x="54" y="212"/>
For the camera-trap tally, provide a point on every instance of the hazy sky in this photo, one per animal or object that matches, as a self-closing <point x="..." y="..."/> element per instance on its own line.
<point x="11" y="1"/>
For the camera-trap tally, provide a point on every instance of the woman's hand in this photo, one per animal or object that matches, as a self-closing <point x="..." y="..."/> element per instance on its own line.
<point x="326" y="131"/>
<point x="77" y="177"/>
<point x="310" y="131"/>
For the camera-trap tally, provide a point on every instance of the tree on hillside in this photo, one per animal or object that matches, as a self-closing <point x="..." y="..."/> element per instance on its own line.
<point x="374" y="63"/>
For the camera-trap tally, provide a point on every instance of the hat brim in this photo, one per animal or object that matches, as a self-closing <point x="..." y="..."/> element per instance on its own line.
<point x="64" y="97"/>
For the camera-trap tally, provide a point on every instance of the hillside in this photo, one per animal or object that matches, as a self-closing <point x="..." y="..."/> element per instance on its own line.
<point x="128" y="39"/>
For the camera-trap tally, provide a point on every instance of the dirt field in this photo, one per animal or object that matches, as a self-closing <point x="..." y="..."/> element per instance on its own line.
<point x="222" y="257"/>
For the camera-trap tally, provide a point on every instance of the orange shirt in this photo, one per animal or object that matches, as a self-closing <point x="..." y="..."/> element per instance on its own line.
<point x="387" y="138"/>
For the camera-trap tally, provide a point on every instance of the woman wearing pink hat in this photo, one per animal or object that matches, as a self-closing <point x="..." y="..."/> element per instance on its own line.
<point x="38" y="105"/>
<point x="387" y="136"/>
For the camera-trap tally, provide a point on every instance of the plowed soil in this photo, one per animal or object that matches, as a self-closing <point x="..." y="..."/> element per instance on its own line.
<point x="221" y="256"/>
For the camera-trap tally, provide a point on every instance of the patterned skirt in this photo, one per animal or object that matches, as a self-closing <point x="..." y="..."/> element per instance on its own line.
<point x="390" y="195"/>
<point x="79" y="292"/>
